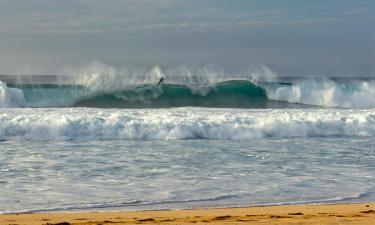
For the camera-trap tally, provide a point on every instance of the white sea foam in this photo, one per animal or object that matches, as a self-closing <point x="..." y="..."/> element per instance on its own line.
<point x="10" y="97"/>
<point x="182" y="123"/>
<point x="327" y="93"/>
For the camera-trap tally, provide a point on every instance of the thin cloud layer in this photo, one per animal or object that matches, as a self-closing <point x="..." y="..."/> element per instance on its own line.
<point x="161" y="31"/>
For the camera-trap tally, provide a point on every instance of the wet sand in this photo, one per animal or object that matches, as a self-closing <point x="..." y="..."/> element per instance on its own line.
<point x="296" y="214"/>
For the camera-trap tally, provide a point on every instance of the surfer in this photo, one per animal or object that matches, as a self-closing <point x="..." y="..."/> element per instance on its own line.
<point x="160" y="81"/>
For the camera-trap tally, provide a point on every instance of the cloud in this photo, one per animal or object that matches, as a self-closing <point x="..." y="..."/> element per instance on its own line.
<point x="75" y="17"/>
<point x="355" y="11"/>
<point x="293" y="35"/>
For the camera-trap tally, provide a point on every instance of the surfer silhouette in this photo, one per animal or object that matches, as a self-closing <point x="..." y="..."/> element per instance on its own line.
<point x="160" y="81"/>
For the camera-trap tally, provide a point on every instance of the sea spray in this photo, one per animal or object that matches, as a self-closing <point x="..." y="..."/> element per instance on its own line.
<point x="326" y="92"/>
<point x="102" y="77"/>
<point x="10" y="97"/>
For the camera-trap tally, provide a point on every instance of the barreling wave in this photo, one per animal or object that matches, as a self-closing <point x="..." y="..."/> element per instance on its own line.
<point x="239" y="94"/>
<point x="235" y="94"/>
<point x="99" y="85"/>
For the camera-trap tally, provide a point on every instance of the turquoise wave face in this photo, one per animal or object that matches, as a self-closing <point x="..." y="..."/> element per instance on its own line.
<point x="237" y="94"/>
<point x="227" y="94"/>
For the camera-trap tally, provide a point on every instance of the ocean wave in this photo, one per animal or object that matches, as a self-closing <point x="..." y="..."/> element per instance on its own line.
<point x="326" y="92"/>
<point x="235" y="94"/>
<point x="182" y="123"/>
<point x="102" y="86"/>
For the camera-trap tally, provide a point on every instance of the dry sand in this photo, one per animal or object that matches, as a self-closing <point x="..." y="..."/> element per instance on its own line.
<point x="296" y="214"/>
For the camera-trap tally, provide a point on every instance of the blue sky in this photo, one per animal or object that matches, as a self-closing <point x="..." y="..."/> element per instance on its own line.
<point x="292" y="37"/>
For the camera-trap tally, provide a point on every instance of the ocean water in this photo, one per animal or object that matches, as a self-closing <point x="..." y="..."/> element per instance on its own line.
<point x="107" y="140"/>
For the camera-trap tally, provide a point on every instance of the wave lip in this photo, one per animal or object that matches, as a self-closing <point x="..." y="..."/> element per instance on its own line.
<point x="182" y="123"/>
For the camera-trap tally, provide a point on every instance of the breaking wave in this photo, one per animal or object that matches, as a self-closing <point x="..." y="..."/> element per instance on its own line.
<point x="11" y="97"/>
<point x="328" y="93"/>
<point x="183" y="123"/>
<point x="102" y="86"/>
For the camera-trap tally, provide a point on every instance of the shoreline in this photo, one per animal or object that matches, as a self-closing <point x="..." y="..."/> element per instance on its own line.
<point x="347" y="213"/>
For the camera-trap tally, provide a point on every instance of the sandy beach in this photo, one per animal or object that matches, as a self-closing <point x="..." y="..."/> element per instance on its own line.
<point x="296" y="214"/>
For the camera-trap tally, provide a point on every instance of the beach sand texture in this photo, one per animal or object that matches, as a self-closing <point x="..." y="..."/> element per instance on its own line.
<point x="363" y="214"/>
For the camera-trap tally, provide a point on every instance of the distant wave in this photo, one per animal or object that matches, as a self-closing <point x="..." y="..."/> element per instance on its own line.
<point x="102" y="86"/>
<point x="182" y="123"/>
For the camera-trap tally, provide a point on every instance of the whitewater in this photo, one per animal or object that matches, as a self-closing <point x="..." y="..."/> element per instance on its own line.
<point x="182" y="124"/>
<point x="103" y="138"/>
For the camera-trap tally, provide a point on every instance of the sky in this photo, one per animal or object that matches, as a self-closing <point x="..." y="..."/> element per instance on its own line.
<point x="291" y="37"/>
